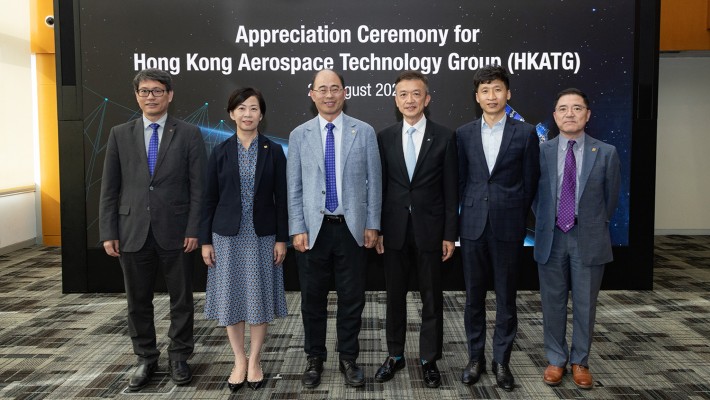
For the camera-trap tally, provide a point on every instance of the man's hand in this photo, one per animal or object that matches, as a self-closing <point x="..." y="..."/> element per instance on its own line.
<point x="279" y="253"/>
<point x="380" y="246"/>
<point x="189" y="244"/>
<point x="208" y="255"/>
<point x="300" y="242"/>
<point x="447" y="249"/>
<point x="111" y="247"/>
<point x="370" y="238"/>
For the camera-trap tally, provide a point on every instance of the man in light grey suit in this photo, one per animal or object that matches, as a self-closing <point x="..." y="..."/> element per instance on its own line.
<point x="576" y="198"/>
<point x="334" y="204"/>
<point x="149" y="215"/>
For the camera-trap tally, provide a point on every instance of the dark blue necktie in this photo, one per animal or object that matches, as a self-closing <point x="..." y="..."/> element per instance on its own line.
<point x="153" y="148"/>
<point x="331" y="189"/>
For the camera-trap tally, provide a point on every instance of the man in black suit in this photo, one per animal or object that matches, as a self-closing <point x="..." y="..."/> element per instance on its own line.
<point x="498" y="175"/>
<point x="149" y="216"/>
<point x="419" y="222"/>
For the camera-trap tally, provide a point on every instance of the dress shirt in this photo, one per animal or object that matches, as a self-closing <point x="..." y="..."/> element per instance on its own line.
<point x="338" y="136"/>
<point x="561" y="154"/>
<point x="491" y="137"/>
<point x="417" y="137"/>
<point x="148" y="131"/>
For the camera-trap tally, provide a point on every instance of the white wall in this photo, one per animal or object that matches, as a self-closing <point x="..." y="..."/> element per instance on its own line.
<point x="683" y="155"/>
<point x="17" y="212"/>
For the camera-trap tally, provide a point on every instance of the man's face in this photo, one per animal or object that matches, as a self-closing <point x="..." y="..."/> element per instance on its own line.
<point x="571" y="114"/>
<point x="153" y="106"/>
<point x="328" y="94"/>
<point x="493" y="96"/>
<point x="411" y="98"/>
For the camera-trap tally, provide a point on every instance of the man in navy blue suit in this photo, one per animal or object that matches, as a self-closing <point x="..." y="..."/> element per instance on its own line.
<point x="498" y="177"/>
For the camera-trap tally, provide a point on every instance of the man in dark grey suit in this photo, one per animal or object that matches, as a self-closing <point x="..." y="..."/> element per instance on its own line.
<point x="419" y="222"/>
<point x="149" y="217"/>
<point x="498" y="174"/>
<point x="577" y="196"/>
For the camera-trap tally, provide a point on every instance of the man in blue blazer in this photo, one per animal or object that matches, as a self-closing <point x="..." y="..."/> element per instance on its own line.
<point x="334" y="202"/>
<point x="577" y="196"/>
<point x="498" y="176"/>
<point x="149" y="217"/>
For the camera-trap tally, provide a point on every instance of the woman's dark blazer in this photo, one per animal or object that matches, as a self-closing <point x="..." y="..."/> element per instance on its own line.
<point x="222" y="201"/>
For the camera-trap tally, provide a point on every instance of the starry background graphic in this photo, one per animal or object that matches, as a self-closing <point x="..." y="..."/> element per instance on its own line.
<point x="601" y="33"/>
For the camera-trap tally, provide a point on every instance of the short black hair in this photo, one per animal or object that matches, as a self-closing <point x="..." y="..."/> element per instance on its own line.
<point x="413" y="75"/>
<point x="574" y="91"/>
<point x="488" y="74"/>
<point x="240" y="95"/>
<point x="340" y="76"/>
<point x="153" y="74"/>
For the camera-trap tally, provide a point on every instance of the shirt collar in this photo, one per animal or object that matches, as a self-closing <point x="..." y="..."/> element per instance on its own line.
<point x="338" y="122"/>
<point x="578" y="141"/>
<point x="499" y="123"/>
<point x="161" y="121"/>
<point x="420" y="126"/>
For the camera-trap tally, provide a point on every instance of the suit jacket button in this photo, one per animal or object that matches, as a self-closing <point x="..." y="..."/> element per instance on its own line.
<point x="485" y="199"/>
<point x="323" y="192"/>
<point x="322" y="212"/>
<point x="150" y="188"/>
<point x="148" y="208"/>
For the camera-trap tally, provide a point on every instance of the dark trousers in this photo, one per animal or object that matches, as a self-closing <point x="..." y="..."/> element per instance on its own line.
<point x="335" y="254"/>
<point x="484" y="258"/>
<point x="426" y="266"/>
<point x="139" y="272"/>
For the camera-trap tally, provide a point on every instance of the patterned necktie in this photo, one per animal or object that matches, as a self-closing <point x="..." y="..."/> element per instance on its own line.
<point x="410" y="155"/>
<point x="331" y="189"/>
<point x="565" y="210"/>
<point x="153" y="148"/>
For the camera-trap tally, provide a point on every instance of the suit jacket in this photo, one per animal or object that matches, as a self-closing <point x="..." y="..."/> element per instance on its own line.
<point x="432" y="192"/>
<point x="504" y="195"/>
<point x="222" y="205"/>
<point x="361" y="186"/>
<point x="598" y="196"/>
<point x="168" y="202"/>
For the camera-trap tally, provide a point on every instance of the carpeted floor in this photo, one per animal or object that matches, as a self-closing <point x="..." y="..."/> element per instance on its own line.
<point x="647" y="345"/>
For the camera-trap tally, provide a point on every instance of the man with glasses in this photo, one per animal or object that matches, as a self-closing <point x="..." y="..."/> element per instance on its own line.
<point x="149" y="214"/>
<point x="498" y="174"/>
<point x="334" y="204"/>
<point x="420" y="225"/>
<point x="577" y="196"/>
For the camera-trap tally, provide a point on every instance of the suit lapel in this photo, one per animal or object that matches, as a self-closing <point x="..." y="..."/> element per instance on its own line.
<point x="477" y="144"/>
<point x="263" y="154"/>
<point x="348" y="134"/>
<point x="551" y="158"/>
<point x="508" y="132"/>
<point x="590" y="155"/>
<point x="427" y="141"/>
<point x="139" y="136"/>
<point x="315" y="143"/>
<point x="397" y="146"/>
<point x="232" y="155"/>
<point x="165" y="141"/>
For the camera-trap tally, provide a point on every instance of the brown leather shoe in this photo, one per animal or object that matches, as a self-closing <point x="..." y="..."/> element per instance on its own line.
<point x="582" y="377"/>
<point x="553" y="375"/>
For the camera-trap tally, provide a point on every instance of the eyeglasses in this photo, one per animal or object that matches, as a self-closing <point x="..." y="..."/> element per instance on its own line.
<point x="334" y="90"/>
<point x="575" y="109"/>
<point x="147" y="92"/>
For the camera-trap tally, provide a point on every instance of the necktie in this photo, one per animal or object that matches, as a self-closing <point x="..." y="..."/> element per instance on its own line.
<point x="153" y="148"/>
<point x="410" y="155"/>
<point x="565" y="210"/>
<point x="331" y="189"/>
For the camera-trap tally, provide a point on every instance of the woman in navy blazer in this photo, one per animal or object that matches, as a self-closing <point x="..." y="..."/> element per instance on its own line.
<point x="243" y="233"/>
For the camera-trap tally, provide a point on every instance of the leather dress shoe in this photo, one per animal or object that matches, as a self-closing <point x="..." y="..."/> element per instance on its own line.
<point x="472" y="373"/>
<point x="432" y="376"/>
<point x="582" y="377"/>
<point x="504" y="378"/>
<point x="254" y="385"/>
<point x="353" y="373"/>
<point x="180" y="372"/>
<point x="311" y="376"/>
<point x="389" y="368"/>
<point x="141" y="376"/>
<point x="553" y="375"/>
<point x="233" y="387"/>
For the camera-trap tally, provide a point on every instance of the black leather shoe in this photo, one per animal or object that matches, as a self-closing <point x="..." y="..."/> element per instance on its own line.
<point x="311" y="376"/>
<point x="233" y="387"/>
<point x="180" y="372"/>
<point x="504" y="378"/>
<point x="432" y="377"/>
<point x="141" y="376"/>
<point x="388" y="369"/>
<point x="254" y="385"/>
<point x="472" y="372"/>
<point x="353" y="373"/>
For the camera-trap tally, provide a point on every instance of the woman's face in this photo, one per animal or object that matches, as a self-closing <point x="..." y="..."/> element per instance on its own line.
<point x="247" y="115"/>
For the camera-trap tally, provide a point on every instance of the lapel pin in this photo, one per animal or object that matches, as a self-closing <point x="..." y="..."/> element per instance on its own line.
<point x="353" y="131"/>
<point x="594" y="149"/>
<point x="266" y="146"/>
<point x="428" y="140"/>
